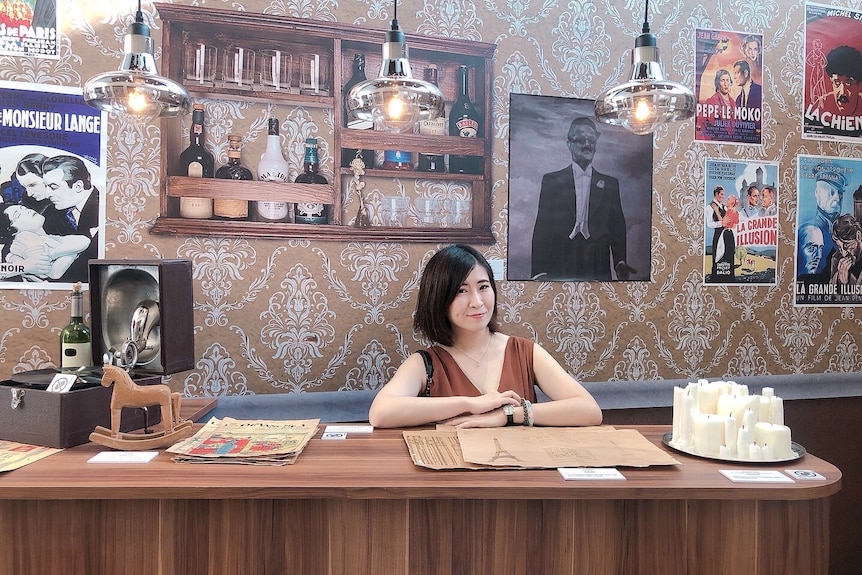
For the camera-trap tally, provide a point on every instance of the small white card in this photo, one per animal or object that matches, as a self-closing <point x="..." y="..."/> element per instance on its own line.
<point x="755" y="476"/>
<point x="333" y="435"/>
<point x="62" y="382"/>
<point x="123" y="457"/>
<point x="348" y="429"/>
<point x="804" y="475"/>
<point x="591" y="473"/>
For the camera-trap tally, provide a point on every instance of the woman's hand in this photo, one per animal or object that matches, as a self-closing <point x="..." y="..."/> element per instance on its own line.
<point x="485" y="410"/>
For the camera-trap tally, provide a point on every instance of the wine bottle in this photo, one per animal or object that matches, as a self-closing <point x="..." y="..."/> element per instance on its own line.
<point x="348" y="154"/>
<point x="233" y="170"/>
<point x="272" y="167"/>
<point x="435" y="127"/>
<point x="309" y="212"/>
<point x="464" y="121"/>
<point x="197" y="162"/>
<point x="75" y="339"/>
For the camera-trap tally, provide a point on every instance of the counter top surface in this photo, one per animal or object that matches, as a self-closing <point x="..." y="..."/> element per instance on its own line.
<point x="378" y="466"/>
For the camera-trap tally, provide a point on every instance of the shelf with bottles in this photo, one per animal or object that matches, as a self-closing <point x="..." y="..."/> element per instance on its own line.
<point x="187" y="28"/>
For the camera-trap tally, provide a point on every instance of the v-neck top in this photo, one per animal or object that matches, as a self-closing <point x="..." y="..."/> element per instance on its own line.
<point x="517" y="375"/>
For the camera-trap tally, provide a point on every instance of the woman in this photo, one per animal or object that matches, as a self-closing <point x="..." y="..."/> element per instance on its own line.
<point x="718" y="221"/>
<point x="38" y="253"/>
<point x="479" y="374"/>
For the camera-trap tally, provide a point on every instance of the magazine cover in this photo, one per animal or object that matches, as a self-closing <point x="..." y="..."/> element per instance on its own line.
<point x="833" y="71"/>
<point x="741" y="222"/>
<point x="52" y="186"/>
<point x="828" y="232"/>
<point x="728" y="76"/>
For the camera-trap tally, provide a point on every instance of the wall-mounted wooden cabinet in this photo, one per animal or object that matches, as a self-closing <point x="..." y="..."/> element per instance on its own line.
<point x="335" y="45"/>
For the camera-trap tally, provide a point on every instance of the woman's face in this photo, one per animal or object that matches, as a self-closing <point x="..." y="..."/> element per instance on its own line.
<point x="23" y="218"/>
<point x="33" y="184"/>
<point x="474" y="303"/>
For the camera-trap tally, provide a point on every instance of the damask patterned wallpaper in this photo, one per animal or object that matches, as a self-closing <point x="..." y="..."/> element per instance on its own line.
<point x="298" y="316"/>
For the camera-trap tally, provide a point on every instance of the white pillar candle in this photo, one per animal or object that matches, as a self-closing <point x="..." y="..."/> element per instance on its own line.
<point x="708" y="433"/>
<point x="749" y="419"/>
<point x="730" y="436"/>
<point x="767" y="392"/>
<point x="776" y="436"/>
<point x="725" y="453"/>
<point x="767" y="453"/>
<point x="754" y="452"/>
<point x="678" y="393"/>
<point x="734" y="405"/>
<point x="685" y="420"/>
<point x="744" y="439"/>
<point x="764" y="407"/>
<point x="707" y="398"/>
<point x="776" y="411"/>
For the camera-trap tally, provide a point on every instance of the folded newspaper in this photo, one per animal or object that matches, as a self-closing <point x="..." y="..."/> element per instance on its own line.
<point x="251" y="442"/>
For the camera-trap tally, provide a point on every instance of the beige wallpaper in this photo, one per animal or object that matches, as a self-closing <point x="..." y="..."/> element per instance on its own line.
<point x="290" y="316"/>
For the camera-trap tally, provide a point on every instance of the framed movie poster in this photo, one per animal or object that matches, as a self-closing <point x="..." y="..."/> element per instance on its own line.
<point x="729" y="91"/>
<point x="740" y="222"/>
<point x="52" y="187"/>
<point x="832" y="90"/>
<point x="828" y="231"/>
<point x="580" y="194"/>
<point x="29" y="28"/>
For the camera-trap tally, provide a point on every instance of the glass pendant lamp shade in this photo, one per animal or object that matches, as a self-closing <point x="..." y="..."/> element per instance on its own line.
<point x="136" y="88"/>
<point x="647" y="100"/>
<point x="395" y="100"/>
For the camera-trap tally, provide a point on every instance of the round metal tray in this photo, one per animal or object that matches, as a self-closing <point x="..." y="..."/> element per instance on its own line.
<point x="798" y="453"/>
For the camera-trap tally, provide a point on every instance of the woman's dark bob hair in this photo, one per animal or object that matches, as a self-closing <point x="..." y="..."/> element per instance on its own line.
<point x="441" y="280"/>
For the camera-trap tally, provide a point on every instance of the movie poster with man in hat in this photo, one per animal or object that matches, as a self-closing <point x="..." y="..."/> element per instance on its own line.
<point x="832" y="88"/>
<point x="828" y="231"/>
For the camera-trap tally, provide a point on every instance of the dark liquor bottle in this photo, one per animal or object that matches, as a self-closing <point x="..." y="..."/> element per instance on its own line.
<point x="197" y="162"/>
<point x="348" y="154"/>
<point x="464" y="121"/>
<point x="436" y="127"/>
<point x="75" y="339"/>
<point x="309" y="212"/>
<point x="233" y="170"/>
<point x="272" y="167"/>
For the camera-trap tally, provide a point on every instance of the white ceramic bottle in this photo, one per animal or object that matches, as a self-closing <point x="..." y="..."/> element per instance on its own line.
<point x="273" y="168"/>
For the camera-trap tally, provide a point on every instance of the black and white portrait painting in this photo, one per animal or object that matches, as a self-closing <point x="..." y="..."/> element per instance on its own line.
<point x="580" y="194"/>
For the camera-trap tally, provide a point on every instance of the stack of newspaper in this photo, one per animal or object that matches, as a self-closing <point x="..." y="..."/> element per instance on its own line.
<point x="253" y="442"/>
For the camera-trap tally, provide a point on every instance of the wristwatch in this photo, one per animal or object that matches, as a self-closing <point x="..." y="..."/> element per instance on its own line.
<point x="509" y="410"/>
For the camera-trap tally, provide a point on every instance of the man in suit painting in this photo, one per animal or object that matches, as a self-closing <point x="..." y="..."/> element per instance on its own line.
<point x="70" y="188"/>
<point x="750" y="93"/>
<point x="580" y="226"/>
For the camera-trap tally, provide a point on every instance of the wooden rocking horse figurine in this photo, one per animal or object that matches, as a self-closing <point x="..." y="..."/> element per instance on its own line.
<point x="127" y="393"/>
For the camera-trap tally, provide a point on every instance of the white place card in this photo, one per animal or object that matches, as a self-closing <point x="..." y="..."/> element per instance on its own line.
<point x="804" y="475"/>
<point x="123" y="457"/>
<point x="348" y="429"/>
<point x="755" y="476"/>
<point x="591" y="473"/>
<point x="62" y="382"/>
<point x="333" y="435"/>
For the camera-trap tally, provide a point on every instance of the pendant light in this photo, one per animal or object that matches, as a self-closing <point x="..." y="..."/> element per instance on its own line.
<point x="395" y="100"/>
<point x="136" y="88"/>
<point x="647" y="100"/>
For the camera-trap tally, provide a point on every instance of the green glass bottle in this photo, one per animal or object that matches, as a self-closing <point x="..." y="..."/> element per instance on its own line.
<point x="75" y="338"/>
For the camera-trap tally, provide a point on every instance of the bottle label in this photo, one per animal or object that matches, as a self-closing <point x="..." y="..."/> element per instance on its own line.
<point x="273" y="175"/>
<point x="467" y="127"/>
<point x="396" y="156"/>
<point x="199" y="208"/>
<point x="233" y="209"/>
<point x="436" y="127"/>
<point x="272" y="210"/>
<point x="76" y="355"/>
<point x="195" y="170"/>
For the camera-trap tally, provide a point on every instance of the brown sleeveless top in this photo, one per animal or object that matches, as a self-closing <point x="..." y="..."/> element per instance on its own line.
<point x="517" y="374"/>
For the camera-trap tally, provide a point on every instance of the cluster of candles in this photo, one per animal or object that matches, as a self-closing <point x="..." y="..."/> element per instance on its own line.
<point x="721" y="419"/>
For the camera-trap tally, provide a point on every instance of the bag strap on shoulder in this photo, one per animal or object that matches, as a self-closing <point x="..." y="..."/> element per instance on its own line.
<point x="429" y="372"/>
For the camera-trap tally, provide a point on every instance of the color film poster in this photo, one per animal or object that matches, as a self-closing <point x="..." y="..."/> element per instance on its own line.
<point x="741" y="223"/>
<point x="28" y="27"/>
<point x="52" y="168"/>
<point x="728" y="74"/>
<point x="833" y="72"/>
<point x="828" y="231"/>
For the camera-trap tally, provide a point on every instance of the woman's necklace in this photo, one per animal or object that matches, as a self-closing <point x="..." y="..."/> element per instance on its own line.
<point x="479" y="361"/>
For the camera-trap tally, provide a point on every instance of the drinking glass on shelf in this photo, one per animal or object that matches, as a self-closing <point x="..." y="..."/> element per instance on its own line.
<point x="200" y="64"/>
<point x="275" y="69"/>
<point x="393" y="211"/>
<point x="313" y="74"/>
<point x="457" y="213"/>
<point x="238" y="67"/>
<point x="429" y="212"/>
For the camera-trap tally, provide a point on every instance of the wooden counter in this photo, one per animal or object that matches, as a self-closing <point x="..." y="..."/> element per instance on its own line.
<point x="360" y="506"/>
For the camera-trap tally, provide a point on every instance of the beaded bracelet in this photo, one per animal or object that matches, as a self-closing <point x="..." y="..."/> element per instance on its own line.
<point x="528" y="412"/>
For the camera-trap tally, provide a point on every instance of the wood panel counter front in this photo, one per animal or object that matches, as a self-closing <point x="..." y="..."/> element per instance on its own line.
<point x="360" y="506"/>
